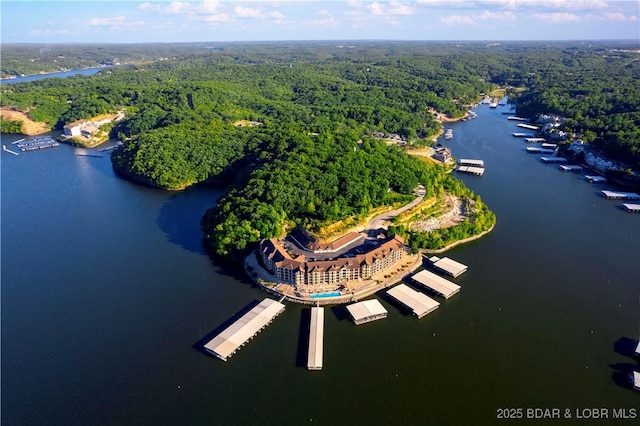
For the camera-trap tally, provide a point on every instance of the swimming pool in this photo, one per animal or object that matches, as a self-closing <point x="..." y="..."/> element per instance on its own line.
<point x="323" y="295"/>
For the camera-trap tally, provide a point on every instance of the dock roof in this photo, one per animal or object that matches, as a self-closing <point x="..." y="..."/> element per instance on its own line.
<point x="471" y="162"/>
<point x="449" y="266"/>
<point x="316" y="339"/>
<point x="233" y="337"/>
<point x="366" y="311"/>
<point x="419" y="303"/>
<point x="436" y="283"/>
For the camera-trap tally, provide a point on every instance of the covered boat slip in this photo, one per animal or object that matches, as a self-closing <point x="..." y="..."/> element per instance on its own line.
<point x="436" y="283"/>
<point x="316" y="339"/>
<point x="471" y="162"/>
<point x="478" y="171"/>
<point x="367" y="311"/>
<point x="448" y="266"/>
<point x="615" y="195"/>
<point x="419" y="303"/>
<point x="237" y="334"/>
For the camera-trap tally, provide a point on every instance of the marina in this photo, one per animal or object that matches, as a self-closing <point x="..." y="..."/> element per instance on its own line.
<point x="595" y="179"/>
<point x="631" y="208"/>
<point x="225" y="344"/>
<point x="570" y="168"/>
<point x="436" y="284"/>
<point x="449" y="134"/>
<point x="478" y="171"/>
<point x="419" y="303"/>
<point x="553" y="159"/>
<point x="36" y="143"/>
<point x="366" y="311"/>
<point x="316" y="339"/>
<point x="615" y="195"/>
<point x="538" y="150"/>
<point x="448" y="266"/>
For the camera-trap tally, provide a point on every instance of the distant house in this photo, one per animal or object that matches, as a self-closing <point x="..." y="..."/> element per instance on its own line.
<point x="442" y="154"/>
<point x="74" y="128"/>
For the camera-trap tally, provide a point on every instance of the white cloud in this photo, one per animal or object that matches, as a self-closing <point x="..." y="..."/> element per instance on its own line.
<point x="457" y="20"/>
<point x="376" y="9"/>
<point x="619" y="17"/>
<point x="327" y="22"/>
<point x="113" y="22"/>
<point x="177" y="8"/>
<point x="36" y="33"/>
<point x="392" y="8"/>
<point x="557" y="17"/>
<point x="149" y="6"/>
<point x="544" y="5"/>
<point x="246" y="12"/>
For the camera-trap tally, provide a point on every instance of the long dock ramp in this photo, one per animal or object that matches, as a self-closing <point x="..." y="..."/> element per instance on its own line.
<point x="419" y="303"/>
<point x="316" y="339"/>
<point x="225" y="344"/>
<point x="367" y="311"/>
<point x="436" y="283"/>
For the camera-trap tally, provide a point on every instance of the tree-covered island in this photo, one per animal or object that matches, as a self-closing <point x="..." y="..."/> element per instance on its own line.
<point x="294" y="129"/>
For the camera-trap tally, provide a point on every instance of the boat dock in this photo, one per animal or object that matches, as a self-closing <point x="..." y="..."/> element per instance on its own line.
<point x="553" y="159"/>
<point x="448" y="266"/>
<point x="225" y="344"/>
<point x="419" y="303"/>
<point x="4" y="148"/>
<point x="632" y="208"/>
<point x="522" y="135"/>
<point x="478" y="171"/>
<point x="528" y="126"/>
<point x="614" y="195"/>
<point x="367" y="311"/>
<point x="436" y="283"/>
<point x="535" y="140"/>
<point x="595" y="179"/>
<point x="316" y="339"/>
<point x="470" y="162"/>
<point x="514" y="118"/>
<point x="549" y="145"/>
<point x="33" y="144"/>
<point x="449" y="134"/>
<point x="537" y="150"/>
<point x="570" y="168"/>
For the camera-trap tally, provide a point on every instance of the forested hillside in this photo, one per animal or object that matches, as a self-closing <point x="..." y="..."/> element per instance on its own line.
<point x="288" y="125"/>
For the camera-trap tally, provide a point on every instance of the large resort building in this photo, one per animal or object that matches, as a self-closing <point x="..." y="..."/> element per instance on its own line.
<point x="305" y="264"/>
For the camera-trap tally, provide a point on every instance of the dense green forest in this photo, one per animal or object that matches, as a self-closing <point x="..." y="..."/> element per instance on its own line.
<point x="307" y="157"/>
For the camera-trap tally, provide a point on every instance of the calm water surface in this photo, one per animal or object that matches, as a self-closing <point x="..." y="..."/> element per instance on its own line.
<point x="107" y="290"/>
<point x="62" y="74"/>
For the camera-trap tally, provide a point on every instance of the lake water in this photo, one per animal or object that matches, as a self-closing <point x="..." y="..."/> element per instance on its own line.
<point x="107" y="292"/>
<point x="62" y="74"/>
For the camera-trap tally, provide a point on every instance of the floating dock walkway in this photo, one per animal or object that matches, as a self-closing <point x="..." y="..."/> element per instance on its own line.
<point x="535" y="140"/>
<point x="225" y="344"/>
<point x="367" y="311"/>
<point x="514" y="118"/>
<point x="436" y="283"/>
<point x="4" y="148"/>
<point x="419" y="303"/>
<point x="614" y="195"/>
<point x="522" y="135"/>
<point x="448" y="266"/>
<point x="632" y="208"/>
<point x="316" y="339"/>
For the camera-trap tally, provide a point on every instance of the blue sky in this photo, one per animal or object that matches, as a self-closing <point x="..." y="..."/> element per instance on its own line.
<point x="243" y="20"/>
